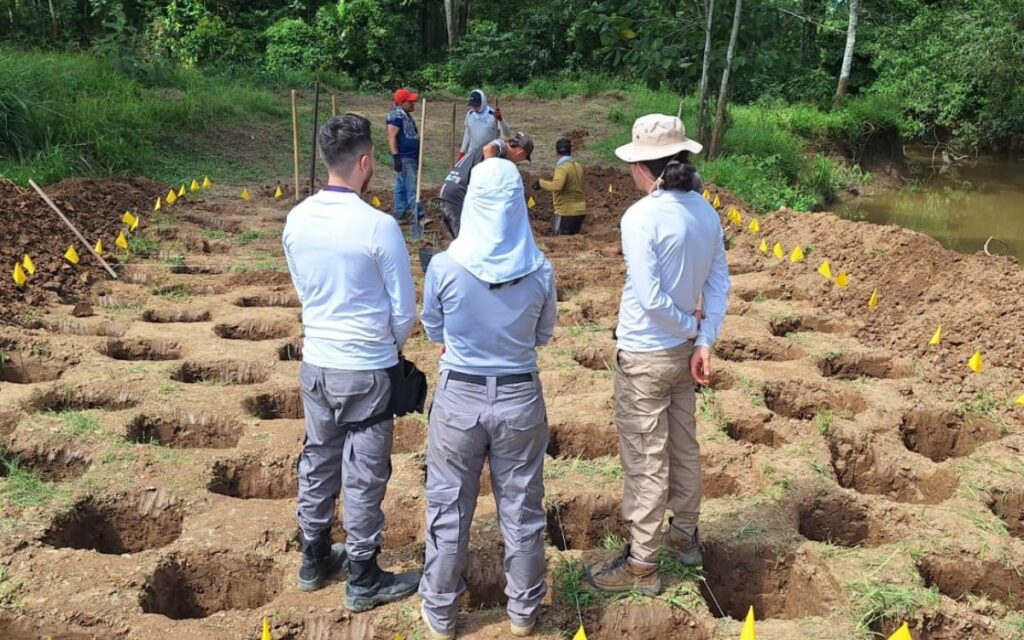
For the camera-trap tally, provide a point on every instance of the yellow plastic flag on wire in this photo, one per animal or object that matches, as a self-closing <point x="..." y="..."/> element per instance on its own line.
<point x="194" y="186"/>
<point x="266" y="630"/>
<point x="19" y="274"/>
<point x="610" y="190"/>
<point x="707" y="196"/>
<point x="825" y="269"/>
<point x="936" y="337"/>
<point x="156" y="207"/>
<point x="278" y="193"/>
<point x="207" y="183"/>
<point x="30" y="266"/>
<point x="135" y="225"/>
<point x="903" y="633"/>
<point x="749" y="632"/>
<point x="873" y="300"/>
<point x="172" y="197"/>
<point x="128" y="218"/>
<point x="975" y="362"/>
<point x="842" y="280"/>
<point x="182" y="192"/>
<point x="755" y="226"/>
<point x="99" y="245"/>
<point x="777" y="250"/>
<point x="375" y="202"/>
<point x="797" y="255"/>
<point x="764" y="246"/>
<point x="1020" y="399"/>
<point x="717" y="203"/>
<point x="531" y="203"/>
<point x="121" y="241"/>
<point x="580" y="634"/>
<point x="245" y="194"/>
<point x="71" y="255"/>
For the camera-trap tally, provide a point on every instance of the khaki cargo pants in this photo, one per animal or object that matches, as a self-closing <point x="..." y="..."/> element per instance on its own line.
<point x="654" y="407"/>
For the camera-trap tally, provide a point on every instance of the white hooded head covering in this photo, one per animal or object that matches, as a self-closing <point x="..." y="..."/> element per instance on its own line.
<point x="495" y="241"/>
<point x="485" y="108"/>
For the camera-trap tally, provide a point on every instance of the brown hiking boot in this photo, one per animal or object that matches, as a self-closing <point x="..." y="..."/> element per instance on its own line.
<point x="625" y="574"/>
<point x="684" y="547"/>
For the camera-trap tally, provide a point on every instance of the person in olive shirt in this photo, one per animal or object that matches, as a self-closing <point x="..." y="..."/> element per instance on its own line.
<point x="566" y="189"/>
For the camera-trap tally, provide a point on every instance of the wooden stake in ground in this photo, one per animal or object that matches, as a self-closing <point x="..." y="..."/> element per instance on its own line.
<point x="295" y="139"/>
<point x="452" y="146"/>
<point x="72" y="227"/>
<point x="316" y="116"/>
<point x="334" y="105"/>
<point x="417" y="224"/>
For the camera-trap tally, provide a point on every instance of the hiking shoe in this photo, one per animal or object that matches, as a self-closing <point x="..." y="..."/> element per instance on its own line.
<point x="431" y="632"/>
<point x="320" y="561"/>
<point x="370" y="586"/>
<point x="684" y="547"/>
<point x="625" y="574"/>
<point x="521" y="631"/>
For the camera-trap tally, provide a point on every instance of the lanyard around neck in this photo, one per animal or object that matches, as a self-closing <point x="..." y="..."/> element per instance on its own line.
<point x="337" y="189"/>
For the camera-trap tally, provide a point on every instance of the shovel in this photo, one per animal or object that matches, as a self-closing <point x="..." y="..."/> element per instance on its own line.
<point x="417" y="223"/>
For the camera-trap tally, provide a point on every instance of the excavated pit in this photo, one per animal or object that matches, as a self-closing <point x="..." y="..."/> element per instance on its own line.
<point x="284" y="404"/>
<point x="836" y="518"/>
<point x="803" y="399"/>
<point x="198" y="584"/>
<point x="269" y="299"/>
<point x="290" y="351"/>
<point x="222" y="372"/>
<point x="9" y="421"/>
<point x="79" y="399"/>
<point x="22" y="368"/>
<point x="583" y="521"/>
<point x="582" y="439"/>
<point x="196" y="269"/>
<point x="255" y="329"/>
<point x="52" y="465"/>
<point x="778" y="584"/>
<point x="140" y="349"/>
<point x="166" y="315"/>
<point x="724" y="475"/>
<point x="761" y="349"/>
<point x="964" y="574"/>
<point x="185" y="430"/>
<point x="121" y="524"/>
<point x="753" y="428"/>
<point x="869" y="469"/>
<point x="850" y="366"/>
<point x="1008" y="506"/>
<point x="255" y="476"/>
<point x="785" y="325"/>
<point x="632" y="619"/>
<point x="593" y="358"/>
<point x="75" y="327"/>
<point x="939" y="435"/>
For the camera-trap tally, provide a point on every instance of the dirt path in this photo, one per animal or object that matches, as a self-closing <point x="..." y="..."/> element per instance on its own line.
<point x="847" y="467"/>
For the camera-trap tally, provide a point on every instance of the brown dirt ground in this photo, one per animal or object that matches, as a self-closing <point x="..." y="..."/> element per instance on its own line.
<point x="841" y="457"/>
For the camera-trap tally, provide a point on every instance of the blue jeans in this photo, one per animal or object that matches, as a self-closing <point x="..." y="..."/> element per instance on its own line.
<point x="405" y="190"/>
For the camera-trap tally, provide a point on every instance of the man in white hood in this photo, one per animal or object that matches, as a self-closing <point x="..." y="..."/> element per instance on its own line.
<point x="483" y="124"/>
<point x="489" y="301"/>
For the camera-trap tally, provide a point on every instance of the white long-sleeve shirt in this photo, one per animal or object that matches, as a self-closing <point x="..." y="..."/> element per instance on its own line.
<point x="675" y="254"/>
<point x="482" y="129"/>
<point x="350" y="268"/>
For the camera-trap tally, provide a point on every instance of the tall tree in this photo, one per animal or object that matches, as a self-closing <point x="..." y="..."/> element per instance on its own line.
<point x="457" y="18"/>
<point x="851" y="40"/>
<point x="723" y="93"/>
<point x="702" y="99"/>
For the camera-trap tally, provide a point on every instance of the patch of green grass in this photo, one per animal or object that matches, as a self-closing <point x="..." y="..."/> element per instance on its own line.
<point x="612" y="542"/>
<point x="23" y="487"/>
<point x="798" y="339"/>
<point x="568" y="582"/>
<point x="579" y="330"/>
<point x="77" y="423"/>
<point x="709" y="410"/>
<point x="821" y="469"/>
<point x="760" y="297"/>
<point x="600" y="470"/>
<point x="878" y="603"/>
<point x="251" y="236"/>
<point x="757" y="399"/>
<point x="142" y="246"/>
<point x="1014" y="626"/>
<point x="214" y="234"/>
<point x="9" y="588"/>
<point x="988" y="524"/>
<point x="774" y="492"/>
<point x="823" y="421"/>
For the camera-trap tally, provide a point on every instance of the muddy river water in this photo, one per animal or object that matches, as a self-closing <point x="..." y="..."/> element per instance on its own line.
<point x="961" y="205"/>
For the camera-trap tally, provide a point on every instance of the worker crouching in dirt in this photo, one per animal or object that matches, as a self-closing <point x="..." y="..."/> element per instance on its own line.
<point x="489" y="300"/>
<point x="675" y="255"/>
<point x="453" y="191"/>
<point x="350" y="268"/>
<point x="566" y="189"/>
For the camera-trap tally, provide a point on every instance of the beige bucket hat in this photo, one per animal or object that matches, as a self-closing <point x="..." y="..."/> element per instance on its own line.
<point x="657" y="136"/>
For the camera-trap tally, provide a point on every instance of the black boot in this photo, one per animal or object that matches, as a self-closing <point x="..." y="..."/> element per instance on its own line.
<point x="370" y="586"/>
<point x="320" y="561"/>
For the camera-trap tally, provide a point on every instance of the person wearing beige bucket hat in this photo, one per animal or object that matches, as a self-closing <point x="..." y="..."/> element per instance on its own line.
<point x="673" y="305"/>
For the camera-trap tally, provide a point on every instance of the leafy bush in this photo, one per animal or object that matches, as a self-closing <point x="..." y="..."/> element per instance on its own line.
<point x="292" y="45"/>
<point x="486" y="54"/>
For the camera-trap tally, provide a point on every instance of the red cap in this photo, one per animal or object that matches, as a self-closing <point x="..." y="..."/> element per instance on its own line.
<point x="403" y="95"/>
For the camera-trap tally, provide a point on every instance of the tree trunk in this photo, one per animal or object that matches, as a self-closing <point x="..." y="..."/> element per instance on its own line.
<point x="457" y="19"/>
<point x="851" y="40"/>
<point x="723" y="92"/>
<point x="702" y="98"/>
<point x="54" y="24"/>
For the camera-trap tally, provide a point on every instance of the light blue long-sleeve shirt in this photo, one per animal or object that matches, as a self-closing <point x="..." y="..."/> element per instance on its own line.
<point x="350" y="268"/>
<point x="675" y="254"/>
<point x="488" y="332"/>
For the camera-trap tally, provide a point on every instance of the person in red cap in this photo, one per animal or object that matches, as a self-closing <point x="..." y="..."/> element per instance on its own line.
<point x="404" y="143"/>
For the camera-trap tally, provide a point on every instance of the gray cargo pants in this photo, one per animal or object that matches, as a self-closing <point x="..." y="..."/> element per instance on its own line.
<point x="335" y="456"/>
<point x="507" y="425"/>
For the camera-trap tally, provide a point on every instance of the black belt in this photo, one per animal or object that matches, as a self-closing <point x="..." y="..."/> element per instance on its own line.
<point x="515" y="378"/>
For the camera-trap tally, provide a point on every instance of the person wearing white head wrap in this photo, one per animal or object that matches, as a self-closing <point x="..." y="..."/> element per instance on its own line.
<point x="490" y="301"/>
<point x="483" y="123"/>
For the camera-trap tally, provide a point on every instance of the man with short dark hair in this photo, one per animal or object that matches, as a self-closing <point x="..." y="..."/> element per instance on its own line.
<point x="566" y="189"/>
<point x="404" y="144"/>
<point x="453" y="191"/>
<point x="350" y="269"/>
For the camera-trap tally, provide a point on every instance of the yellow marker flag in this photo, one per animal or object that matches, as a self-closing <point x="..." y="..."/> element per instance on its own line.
<point x="182" y="192"/>
<point x="156" y="207"/>
<point x="531" y="203"/>
<point x="135" y="225"/>
<point x="71" y="255"/>
<point x="580" y="634"/>
<point x="375" y="202"/>
<point x="1020" y="399"/>
<point x="610" y="190"/>
<point x="842" y="280"/>
<point x="936" y="338"/>
<point x="194" y="186"/>
<point x="245" y="194"/>
<point x="975" y="362"/>
<point x="19" y="274"/>
<point x="749" y="633"/>
<point x="797" y="255"/>
<point x="777" y="250"/>
<point x="121" y="241"/>
<point x="755" y="226"/>
<point x="717" y="203"/>
<point x="99" y="245"/>
<point x="707" y="196"/>
<point x="207" y="183"/>
<point x="128" y="218"/>
<point x="825" y="269"/>
<point x="172" y="197"/>
<point x="764" y="246"/>
<point x="266" y="630"/>
<point x="873" y="300"/>
<point x="30" y="266"/>
<point x="278" y="194"/>
<point x="903" y="633"/>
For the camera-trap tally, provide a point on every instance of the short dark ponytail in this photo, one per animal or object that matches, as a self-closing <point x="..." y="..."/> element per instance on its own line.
<point x="676" y="172"/>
